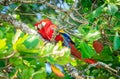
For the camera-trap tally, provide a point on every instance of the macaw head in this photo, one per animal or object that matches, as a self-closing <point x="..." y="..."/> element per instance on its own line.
<point x="43" y="24"/>
<point x="46" y="24"/>
<point x="45" y="28"/>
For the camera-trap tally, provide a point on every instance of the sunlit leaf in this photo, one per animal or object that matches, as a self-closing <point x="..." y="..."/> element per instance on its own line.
<point x="16" y="37"/>
<point x="98" y="11"/>
<point x="116" y="43"/>
<point x="27" y="73"/>
<point x="92" y="35"/>
<point x="23" y="50"/>
<point x="39" y="74"/>
<point x="21" y="45"/>
<point x="87" y="51"/>
<point x="19" y="41"/>
<point x="31" y="41"/>
<point x="47" y="50"/>
<point x="112" y="77"/>
<point x="112" y="8"/>
<point x="2" y="43"/>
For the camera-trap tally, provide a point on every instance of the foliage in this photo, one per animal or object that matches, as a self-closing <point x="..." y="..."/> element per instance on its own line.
<point x="100" y="21"/>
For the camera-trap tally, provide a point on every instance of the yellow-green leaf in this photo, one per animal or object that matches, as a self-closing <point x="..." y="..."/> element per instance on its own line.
<point x="2" y="43"/>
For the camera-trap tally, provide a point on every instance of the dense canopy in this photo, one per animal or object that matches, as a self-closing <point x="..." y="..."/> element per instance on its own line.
<point x="94" y="26"/>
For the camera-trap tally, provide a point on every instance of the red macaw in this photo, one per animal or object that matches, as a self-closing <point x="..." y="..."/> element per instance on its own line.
<point x="46" y="29"/>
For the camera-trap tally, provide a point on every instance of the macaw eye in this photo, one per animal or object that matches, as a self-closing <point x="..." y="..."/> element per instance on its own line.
<point x="43" y="23"/>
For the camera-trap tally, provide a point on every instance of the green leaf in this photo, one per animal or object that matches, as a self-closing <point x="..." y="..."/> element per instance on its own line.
<point x="60" y="54"/>
<point x="2" y="43"/>
<point x="15" y="62"/>
<point x="105" y="55"/>
<point x="19" y="42"/>
<point x="23" y="50"/>
<point x="2" y="63"/>
<point x="98" y="11"/>
<point x="31" y="41"/>
<point x="47" y="50"/>
<point x="117" y="14"/>
<point x="65" y="58"/>
<point x="112" y="77"/>
<point x="112" y="9"/>
<point x="56" y="54"/>
<point x="27" y="73"/>
<point x="87" y="51"/>
<point x="41" y="74"/>
<point x="1" y="34"/>
<point x="92" y="35"/>
<point x="16" y="36"/>
<point x="26" y="44"/>
<point x="116" y="43"/>
<point x="70" y="1"/>
<point x="51" y="60"/>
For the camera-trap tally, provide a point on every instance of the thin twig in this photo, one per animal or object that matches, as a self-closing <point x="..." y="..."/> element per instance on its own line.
<point x="103" y="65"/>
<point x="93" y="5"/>
<point x="17" y="7"/>
<point x="9" y="56"/>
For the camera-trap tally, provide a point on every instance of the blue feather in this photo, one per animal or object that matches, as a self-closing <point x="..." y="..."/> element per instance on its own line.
<point x="67" y="39"/>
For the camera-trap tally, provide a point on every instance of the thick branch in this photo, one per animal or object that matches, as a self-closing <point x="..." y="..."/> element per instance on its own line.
<point x="8" y="2"/>
<point x="77" y="74"/>
<point x="74" y="72"/>
<point x="18" y="25"/>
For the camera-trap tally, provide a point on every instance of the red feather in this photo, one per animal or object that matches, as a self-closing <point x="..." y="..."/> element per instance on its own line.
<point x="77" y="54"/>
<point x="74" y="51"/>
<point x="98" y="46"/>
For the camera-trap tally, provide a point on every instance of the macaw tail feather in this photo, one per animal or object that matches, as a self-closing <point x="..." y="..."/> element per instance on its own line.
<point x="89" y="60"/>
<point x="78" y="55"/>
<point x="75" y="52"/>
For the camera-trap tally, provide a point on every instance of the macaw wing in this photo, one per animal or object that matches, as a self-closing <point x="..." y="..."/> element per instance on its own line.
<point x="66" y="40"/>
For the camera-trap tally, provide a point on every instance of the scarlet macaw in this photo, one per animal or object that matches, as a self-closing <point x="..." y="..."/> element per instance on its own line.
<point x="47" y="29"/>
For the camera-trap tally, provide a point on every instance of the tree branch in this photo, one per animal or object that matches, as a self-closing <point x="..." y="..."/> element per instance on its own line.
<point x="9" y="56"/>
<point x="105" y="66"/>
<point x="18" y="25"/>
<point x="8" y="2"/>
<point x="77" y="74"/>
<point x="74" y="72"/>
